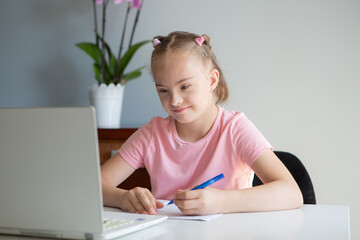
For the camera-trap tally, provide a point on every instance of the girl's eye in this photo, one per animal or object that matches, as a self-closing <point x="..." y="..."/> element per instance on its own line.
<point x="185" y="87"/>
<point x="162" y="90"/>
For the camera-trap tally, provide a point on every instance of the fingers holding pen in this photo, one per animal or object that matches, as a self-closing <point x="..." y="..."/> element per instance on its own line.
<point x="200" y="199"/>
<point x="198" y="202"/>
<point x="188" y="201"/>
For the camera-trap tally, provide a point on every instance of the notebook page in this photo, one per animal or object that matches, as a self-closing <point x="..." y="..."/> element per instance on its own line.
<point x="173" y="212"/>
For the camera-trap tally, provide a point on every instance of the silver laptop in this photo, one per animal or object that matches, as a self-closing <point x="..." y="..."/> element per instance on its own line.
<point x="50" y="182"/>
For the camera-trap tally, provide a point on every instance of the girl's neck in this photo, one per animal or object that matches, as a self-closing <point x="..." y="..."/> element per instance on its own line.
<point x="194" y="131"/>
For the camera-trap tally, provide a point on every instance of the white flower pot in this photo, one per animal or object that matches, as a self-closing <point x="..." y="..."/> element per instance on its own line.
<point x="107" y="101"/>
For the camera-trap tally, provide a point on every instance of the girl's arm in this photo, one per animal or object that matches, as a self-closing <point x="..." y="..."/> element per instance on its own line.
<point x="279" y="192"/>
<point x="137" y="200"/>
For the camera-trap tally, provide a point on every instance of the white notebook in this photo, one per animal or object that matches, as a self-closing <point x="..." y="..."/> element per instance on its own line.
<point x="173" y="212"/>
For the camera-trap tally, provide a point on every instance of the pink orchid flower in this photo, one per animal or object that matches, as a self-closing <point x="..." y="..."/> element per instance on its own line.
<point x="120" y="1"/>
<point x="115" y="74"/>
<point x="115" y="1"/>
<point x="137" y="4"/>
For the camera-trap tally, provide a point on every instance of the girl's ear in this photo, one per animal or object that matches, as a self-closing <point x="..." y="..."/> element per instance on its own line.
<point x="214" y="79"/>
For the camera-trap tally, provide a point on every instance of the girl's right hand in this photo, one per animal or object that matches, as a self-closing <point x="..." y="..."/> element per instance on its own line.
<point x="140" y="200"/>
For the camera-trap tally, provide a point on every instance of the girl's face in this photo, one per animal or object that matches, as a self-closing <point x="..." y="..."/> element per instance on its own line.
<point x="185" y="86"/>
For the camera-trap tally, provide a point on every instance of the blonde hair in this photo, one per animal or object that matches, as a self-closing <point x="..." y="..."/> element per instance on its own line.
<point x="185" y="41"/>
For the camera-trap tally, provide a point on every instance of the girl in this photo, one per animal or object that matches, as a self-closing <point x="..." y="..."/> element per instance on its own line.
<point x="197" y="141"/>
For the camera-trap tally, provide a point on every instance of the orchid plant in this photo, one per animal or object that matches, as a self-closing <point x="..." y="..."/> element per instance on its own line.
<point x="108" y="68"/>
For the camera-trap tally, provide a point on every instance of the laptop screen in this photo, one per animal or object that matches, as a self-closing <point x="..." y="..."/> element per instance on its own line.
<point x="49" y="174"/>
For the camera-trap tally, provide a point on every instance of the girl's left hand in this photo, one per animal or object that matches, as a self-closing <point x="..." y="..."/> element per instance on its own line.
<point x="199" y="202"/>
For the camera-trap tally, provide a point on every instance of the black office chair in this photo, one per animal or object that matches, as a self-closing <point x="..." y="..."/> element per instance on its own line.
<point x="298" y="171"/>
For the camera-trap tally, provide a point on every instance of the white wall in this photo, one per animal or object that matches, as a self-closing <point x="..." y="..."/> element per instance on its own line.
<point x="292" y="66"/>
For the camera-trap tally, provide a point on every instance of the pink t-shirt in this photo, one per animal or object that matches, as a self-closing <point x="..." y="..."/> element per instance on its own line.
<point x="230" y="147"/>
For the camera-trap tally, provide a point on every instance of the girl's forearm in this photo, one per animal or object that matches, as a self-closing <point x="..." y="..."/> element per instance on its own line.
<point x="276" y="195"/>
<point x="112" y="195"/>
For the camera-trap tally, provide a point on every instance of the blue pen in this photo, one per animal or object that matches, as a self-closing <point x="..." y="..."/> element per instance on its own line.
<point x="205" y="184"/>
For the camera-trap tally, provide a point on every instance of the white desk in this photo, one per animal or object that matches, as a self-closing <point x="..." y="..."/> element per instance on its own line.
<point x="308" y="222"/>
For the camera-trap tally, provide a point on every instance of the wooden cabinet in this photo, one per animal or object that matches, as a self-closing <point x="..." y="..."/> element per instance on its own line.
<point x="112" y="139"/>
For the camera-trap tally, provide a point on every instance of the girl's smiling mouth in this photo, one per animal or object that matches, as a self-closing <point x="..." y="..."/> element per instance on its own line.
<point x="180" y="110"/>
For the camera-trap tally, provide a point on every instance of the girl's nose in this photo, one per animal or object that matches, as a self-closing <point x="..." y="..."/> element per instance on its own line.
<point x="176" y="99"/>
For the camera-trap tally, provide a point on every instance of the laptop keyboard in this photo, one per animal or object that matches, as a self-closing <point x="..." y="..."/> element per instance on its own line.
<point x="116" y="223"/>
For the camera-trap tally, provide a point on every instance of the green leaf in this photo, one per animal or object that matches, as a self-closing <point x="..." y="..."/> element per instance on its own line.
<point x="109" y="66"/>
<point x="112" y="65"/>
<point x="133" y="74"/>
<point x="128" y="56"/>
<point x="108" y="78"/>
<point x="92" y="50"/>
<point x="97" y="71"/>
<point x="112" y="60"/>
<point x="95" y="53"/>
<point x="108" y="49"/>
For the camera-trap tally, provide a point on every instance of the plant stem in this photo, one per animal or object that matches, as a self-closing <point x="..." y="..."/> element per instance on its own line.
<point x="117" y="77"/>
<point x="135" y="24"/>
<point x="95" y="23"/>
<point x="102" y="73"/>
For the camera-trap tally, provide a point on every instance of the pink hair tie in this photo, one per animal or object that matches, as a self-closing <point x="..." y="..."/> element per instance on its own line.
<point x="156" y="42"/>
<point x="199" y="41"/>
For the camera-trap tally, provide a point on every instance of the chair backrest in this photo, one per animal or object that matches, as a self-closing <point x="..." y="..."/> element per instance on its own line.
<point x="298" y="171"/>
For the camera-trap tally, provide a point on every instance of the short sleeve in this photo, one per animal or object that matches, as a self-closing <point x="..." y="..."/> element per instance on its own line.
<point x="249" y="141"/>
<point x="133" y="151"/>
